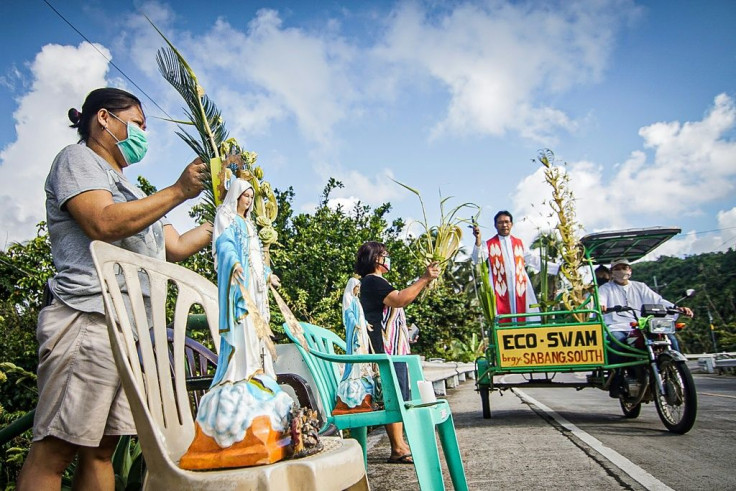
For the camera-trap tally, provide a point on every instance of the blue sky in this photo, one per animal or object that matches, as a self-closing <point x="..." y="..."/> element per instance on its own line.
<point x="639" y="98"/>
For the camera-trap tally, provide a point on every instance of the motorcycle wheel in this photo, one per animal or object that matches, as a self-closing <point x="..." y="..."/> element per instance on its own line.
<point x="678" y="405"/>
<point x="630" y="410"/>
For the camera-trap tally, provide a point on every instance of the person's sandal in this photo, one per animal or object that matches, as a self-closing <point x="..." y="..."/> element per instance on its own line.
<point x="402" y="459"/>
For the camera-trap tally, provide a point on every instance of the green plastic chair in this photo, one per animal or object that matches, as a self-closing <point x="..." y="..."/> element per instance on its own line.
<point x="419" y="419"/>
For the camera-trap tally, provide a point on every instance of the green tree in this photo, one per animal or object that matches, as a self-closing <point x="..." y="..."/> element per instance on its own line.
<point x="316" y="253"/>
<point x="24" y="268"/>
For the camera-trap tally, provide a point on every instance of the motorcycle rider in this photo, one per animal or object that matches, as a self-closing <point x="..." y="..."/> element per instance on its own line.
<point x="621" y="291"/>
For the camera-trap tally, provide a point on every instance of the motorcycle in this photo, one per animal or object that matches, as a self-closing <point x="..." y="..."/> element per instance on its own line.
<point x="666" y="379"/>
<point x="553" y="342"/>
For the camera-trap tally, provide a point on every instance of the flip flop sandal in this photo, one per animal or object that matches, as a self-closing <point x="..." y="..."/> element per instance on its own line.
<point x="403" y="459"/>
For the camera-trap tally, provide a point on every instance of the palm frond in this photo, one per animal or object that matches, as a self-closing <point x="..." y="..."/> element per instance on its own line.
<point x="202" y="112"/>
<point x="212" y="145"/>
<point x="439" y="243"/>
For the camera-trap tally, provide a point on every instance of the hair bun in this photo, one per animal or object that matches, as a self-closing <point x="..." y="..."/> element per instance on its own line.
<point x="75" y="117"/>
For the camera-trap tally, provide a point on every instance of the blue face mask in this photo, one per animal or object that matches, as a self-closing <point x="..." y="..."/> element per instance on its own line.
<point x="387" y="263"/>
<point x="134" y="147"/>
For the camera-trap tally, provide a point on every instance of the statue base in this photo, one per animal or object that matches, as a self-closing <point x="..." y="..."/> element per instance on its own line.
<point x="364" y="407"/>
<point x="261" y="445"/>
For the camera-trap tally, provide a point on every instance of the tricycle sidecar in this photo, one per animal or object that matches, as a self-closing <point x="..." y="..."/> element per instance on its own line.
<point x="540" y="345"/>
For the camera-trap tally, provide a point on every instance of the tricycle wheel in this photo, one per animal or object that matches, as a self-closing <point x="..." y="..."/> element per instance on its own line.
<point x="630" y="410"/>
<point x="485" y="401"/>
<point x="678" y="405"/>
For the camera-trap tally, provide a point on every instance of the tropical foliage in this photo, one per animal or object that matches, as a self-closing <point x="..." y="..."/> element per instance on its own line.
<point x="201" y="113"/>
<point x="225" y="156"/>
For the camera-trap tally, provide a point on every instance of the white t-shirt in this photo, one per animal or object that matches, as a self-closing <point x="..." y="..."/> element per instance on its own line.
<point x="634" y="294"/>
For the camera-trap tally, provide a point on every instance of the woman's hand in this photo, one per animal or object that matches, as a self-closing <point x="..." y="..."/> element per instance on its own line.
<point x="433" y="271"/>
<point x="180" y="247"/>
<point x="686" y="311"/>
<point x="237" y="274"/>
<point x="275" y="280"/>
<point x="190" y="183"/>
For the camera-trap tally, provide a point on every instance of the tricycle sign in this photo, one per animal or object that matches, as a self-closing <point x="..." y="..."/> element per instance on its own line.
<point x="566" y="345"/>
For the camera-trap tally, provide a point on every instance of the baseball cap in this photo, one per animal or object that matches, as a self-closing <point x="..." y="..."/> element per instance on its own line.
<point x="618" y="261"/>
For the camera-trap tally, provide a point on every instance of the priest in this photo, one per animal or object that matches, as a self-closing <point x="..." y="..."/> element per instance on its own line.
<point x="507" y="260"/>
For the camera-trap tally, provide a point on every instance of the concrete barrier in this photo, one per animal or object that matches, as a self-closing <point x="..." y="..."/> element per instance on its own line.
<point x="446" y="374"/>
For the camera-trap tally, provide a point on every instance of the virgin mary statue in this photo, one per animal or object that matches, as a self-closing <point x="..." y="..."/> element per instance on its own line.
<point x="243" y="418"/>
<point x="356" y="390"/>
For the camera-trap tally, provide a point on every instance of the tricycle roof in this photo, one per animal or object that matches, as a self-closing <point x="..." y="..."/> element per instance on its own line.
<point x="632" y="243"/>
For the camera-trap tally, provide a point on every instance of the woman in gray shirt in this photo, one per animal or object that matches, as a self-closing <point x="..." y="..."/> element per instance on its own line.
<point x="82" y="409"/>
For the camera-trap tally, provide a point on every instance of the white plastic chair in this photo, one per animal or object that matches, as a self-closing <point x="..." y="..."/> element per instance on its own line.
<point x="160" y="403"/>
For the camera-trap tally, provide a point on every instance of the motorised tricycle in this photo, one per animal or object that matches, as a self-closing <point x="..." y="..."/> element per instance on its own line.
<point x="541" y="345"/>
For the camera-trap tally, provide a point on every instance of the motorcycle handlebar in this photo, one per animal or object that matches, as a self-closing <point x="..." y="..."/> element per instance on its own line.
<point x="674" y="310"/>
<point x="625" y="308"/>
<point x="620" y="308"/>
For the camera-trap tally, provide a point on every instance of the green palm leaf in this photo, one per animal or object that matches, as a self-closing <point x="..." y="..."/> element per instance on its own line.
<point x="201" y="113"/>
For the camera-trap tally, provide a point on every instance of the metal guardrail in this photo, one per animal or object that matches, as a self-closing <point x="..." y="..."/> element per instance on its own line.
<point x="720" y="363"/>
<point x="698" y="356"/>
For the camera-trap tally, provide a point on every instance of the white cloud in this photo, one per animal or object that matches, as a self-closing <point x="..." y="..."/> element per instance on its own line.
<point x="279" y="71"/>
<point x="374" y="190"/>
<point x="692" y="166"/>
<point x="727" y="226"/>
<point x="62" y="77"/>
<point x="698" y="243"/>
<point x="12" y="80"/>
<point x="727" y="222"/>
<point x="250" y="113"/>
<point x="499" y="59"/>
<point x="347" y="203"/>
<point x="140" y="39"/>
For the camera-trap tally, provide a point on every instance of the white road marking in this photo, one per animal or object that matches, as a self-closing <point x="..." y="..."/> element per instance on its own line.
<point x="715" y="395"/>
<point x="634" y="471"/>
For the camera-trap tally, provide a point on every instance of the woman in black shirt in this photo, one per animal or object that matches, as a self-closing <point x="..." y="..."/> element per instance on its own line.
<point x="383" y="306"/>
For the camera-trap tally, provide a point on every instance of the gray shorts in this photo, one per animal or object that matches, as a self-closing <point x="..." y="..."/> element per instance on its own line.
<point x="80" y="396"/>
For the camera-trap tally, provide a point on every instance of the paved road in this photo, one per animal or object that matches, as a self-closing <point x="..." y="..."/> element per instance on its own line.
<point x="525" y="447"/>
<point x="701" y="459"/>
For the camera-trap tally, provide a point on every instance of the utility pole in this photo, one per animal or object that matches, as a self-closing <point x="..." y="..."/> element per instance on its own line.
<point x="712" y="332"/>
